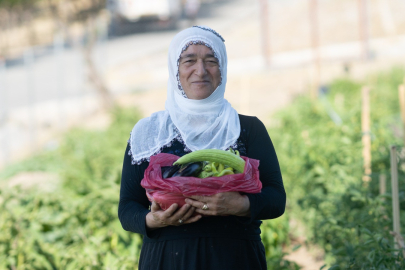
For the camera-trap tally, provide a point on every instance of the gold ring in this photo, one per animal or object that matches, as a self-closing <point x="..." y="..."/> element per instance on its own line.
<point x="180" y="221"/>
<point x="205" y="207"/>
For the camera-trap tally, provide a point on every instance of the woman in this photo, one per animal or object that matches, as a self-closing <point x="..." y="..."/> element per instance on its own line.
<point x="198" y="117"/>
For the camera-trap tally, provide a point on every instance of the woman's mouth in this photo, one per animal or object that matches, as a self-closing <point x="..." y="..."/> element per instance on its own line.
<point x="200" y="82"/>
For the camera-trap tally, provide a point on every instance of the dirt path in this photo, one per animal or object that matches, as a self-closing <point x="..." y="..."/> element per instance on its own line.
<point x="309" y="257"/>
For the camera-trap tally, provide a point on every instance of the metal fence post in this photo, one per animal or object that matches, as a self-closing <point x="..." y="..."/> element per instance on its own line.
<point x="366" y="139"/>
<point x="314" y="26"/>
<point x="395" y="196"/>
<point x="58" y="51"/>
<point x="401" y="98"/>
<point x="30" y="82"/>
<point x="264" y="19"/>
<point x="383" y="185"/>
<point x="3" y="113"/>
<point x="364" y="30"/>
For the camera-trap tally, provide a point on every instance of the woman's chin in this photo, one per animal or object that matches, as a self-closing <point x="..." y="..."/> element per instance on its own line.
<point x="199" y="94"/>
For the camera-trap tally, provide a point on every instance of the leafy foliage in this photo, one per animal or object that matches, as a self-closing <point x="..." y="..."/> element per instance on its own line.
<point x="75" y="227"/>
<point x="17" y="3"/>
<point x="322" y="168"/>
<point x="275" y="235"/>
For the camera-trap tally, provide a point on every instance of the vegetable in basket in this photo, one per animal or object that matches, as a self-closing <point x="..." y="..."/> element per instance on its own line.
<point x="206" y="163"/>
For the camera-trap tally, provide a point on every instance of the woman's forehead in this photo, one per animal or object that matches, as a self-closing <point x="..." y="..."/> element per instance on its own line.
<point x="198" y="45"/>
<point x="197" y="50"/>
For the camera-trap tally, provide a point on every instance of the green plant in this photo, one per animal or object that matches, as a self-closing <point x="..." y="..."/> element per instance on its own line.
<point x="275" y="236"/>
<point x="322" y="167"/>
<point x="75" y="227"/>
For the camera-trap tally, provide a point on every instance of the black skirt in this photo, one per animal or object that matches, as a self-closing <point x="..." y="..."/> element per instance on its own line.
<point x="204" y="253"/>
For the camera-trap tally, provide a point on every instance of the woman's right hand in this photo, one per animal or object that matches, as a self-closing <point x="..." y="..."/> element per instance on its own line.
<point x="159" y="218"/>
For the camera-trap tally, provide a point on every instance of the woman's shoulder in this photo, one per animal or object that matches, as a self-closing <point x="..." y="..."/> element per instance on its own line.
<point x="247" y="121"/>
<point x="252" y="127"/>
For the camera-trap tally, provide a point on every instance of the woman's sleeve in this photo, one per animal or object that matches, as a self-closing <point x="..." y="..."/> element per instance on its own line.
<point x="270" y="203"/>
<point x="134" y="205"/>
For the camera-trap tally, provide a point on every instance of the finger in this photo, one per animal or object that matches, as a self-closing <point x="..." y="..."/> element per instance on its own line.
<point x="155" y="207"/>
<point x="189" y="213"/>
<point x="180" y="212"/>
<point x="200" y="198"/>
<point x="170" y="211"/>
<point x="205" y="212"/>
<point x="196" y="204"/>
<point x="193" y="219"/>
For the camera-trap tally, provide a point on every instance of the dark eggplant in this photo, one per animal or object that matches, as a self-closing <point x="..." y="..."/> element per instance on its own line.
<point x="168" y="171"/>
<point x="191" y="169"/>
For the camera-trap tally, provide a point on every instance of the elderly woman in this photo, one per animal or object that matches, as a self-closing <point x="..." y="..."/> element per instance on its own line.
<point x="197" y="116"/>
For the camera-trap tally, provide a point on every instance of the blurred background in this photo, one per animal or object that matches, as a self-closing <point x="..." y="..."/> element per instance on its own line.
<point x="62" y="62"/>
<point x="68" y="65"/>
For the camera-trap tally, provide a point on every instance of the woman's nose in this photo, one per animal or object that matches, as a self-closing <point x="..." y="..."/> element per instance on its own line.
<point x="200" y="69"/>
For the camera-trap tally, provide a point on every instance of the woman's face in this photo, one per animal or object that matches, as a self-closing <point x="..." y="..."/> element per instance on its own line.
<point x="199" y="72"/>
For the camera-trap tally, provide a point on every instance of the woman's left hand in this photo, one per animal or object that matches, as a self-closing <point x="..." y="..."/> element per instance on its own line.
<point x="221" y="204"/>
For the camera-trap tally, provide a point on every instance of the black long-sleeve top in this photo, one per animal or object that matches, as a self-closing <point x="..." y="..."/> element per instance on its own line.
<point x="254" y="142"/>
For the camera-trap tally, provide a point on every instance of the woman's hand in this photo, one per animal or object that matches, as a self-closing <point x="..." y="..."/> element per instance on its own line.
<point x="221" y="204"/>
<point x="158" y="218"/>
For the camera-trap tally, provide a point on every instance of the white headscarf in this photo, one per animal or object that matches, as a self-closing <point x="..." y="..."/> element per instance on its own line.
<point x="209" y="123"/>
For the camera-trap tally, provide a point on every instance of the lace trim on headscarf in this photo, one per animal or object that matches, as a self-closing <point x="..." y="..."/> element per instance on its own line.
<point x="210" y="30"/>
<point x="169" y="144"/>
<point x="193" y="42"/>
<point x="178" y="138"/>
<point x="233" y="146"/>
